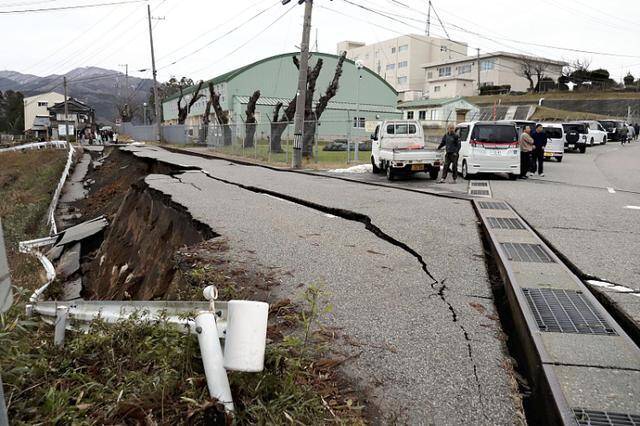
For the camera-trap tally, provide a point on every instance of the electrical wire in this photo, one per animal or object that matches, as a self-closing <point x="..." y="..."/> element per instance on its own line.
<point x="83" y="6"/>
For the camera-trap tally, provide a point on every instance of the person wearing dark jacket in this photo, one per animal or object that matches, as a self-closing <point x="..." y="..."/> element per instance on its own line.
<point x="539" y="142"/>
<point x="452" y="143"/>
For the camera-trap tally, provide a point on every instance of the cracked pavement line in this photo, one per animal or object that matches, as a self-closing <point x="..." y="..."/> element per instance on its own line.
<point x="366" y="220"/>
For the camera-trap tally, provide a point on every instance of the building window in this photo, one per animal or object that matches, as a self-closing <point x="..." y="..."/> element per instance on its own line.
<point x="422" y="115"/>
<point x="358" y="122"/>
<point x="402" y="64"/>
<point x="436" y="88"/>
<point x="410" y="115"/>
<point x="444" y="71"/>
<point x="487" y="83"/>
<point x="393" y="50"/>
<point x="403" y="48"/>
<point x="391" y="67"/>
<point x="487" y="65"/>
<point x="463" y="69"/>
<point x="43" y="104"/>
<point x="444" y="49"/>
<point x="430" y="74"/>
<point x="402" y="80"/>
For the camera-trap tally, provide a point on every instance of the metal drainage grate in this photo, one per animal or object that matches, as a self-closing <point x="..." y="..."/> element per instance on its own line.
<point x="479" y="184"/>
<point x="605" y="418"/>
<point x="493" y="205"/>
<point x="525" y="252"/>
<point x="565" y="311"/>
<point x="479" y="192"/>
<point x="505" y="223"/>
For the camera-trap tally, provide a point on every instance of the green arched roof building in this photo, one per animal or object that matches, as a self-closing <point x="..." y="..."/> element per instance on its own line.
<point x="277" y="77"/>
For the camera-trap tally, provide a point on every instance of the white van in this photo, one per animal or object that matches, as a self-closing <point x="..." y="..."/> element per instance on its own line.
<point x="555" y="141"/>
<point x="488" y="147"/>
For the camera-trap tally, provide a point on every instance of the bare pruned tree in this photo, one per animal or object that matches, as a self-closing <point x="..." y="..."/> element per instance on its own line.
<point x="250" y="124"/>
<point x="539" y="69"/>
<point x="526" y="71"/>
<point x="184" y="111"/>
<point x="280" y="123"/>
<point x="221" y="115"/>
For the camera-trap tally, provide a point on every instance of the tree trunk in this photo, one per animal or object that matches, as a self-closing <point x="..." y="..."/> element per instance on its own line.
<point x="308" y="137"/>
<point x="250" y="126"/>
<point x="277" y="129"/>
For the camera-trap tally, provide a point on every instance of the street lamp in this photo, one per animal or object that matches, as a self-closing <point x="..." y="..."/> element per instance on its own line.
<point x="144" y="113"/>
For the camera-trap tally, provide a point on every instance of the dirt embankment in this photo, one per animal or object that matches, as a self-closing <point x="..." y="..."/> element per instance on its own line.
<point x="135" y="260"/>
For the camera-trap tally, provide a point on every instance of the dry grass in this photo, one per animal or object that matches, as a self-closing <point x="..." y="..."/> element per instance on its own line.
<point x="552" y="114"/>
<point x="534" y="97"/>
<point x="27" y="182"/>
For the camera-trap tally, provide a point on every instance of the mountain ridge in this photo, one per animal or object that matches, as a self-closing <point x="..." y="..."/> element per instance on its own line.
<point x="101" y="88"/>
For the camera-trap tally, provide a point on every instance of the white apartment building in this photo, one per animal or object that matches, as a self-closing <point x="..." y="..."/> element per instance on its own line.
<point x="36" y="114"/>
<point x="459" y="76"/>
<point x="400" y="60"/>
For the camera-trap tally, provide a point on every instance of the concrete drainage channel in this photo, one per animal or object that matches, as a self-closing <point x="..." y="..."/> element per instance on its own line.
<point x="582" y="365"/>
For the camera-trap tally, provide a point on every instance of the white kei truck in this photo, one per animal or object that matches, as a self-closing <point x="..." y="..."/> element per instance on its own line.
<point x="397" y="148"/>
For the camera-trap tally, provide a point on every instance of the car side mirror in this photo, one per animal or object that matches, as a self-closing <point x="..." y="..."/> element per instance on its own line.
<point x="374" y="137"/>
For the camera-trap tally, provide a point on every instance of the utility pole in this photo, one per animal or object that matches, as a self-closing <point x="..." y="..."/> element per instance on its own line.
<point x="66" y="111"/>
<point x="302" y="86"/>
<point x="478" y="50"/>
<point x="429" y="20"/>
<point x="155" y="81"/>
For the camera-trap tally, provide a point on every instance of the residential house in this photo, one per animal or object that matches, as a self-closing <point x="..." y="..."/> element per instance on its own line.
<point x="36" y="113"/>
<point x="436" y="114"/>
<point x="399" y="60"/>
<point x="80" y="118"/>
<point x="459" y="76"/>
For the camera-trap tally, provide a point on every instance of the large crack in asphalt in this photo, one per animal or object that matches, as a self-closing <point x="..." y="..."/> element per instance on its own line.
<point x="438" y="286"/>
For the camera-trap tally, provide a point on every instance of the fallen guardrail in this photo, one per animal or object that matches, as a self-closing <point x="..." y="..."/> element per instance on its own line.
<point x="242" y="323"/>
<point x="51" y="220"/>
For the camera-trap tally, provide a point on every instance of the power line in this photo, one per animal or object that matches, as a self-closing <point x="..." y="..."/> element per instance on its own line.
<point x="81" y="6"/>
<point x="219" y="38"/>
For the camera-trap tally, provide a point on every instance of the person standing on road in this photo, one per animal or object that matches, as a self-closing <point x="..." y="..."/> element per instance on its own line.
<point x="526" y="146"/>
<point x="452" y="143"/>
<point x="540" y="141"/>
<point x="623" y="134"/>
<point x="637" y="128"/>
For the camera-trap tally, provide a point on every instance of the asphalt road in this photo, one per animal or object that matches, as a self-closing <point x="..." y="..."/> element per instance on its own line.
<point x="425" y="358"/>
<point x="580" y="206"/>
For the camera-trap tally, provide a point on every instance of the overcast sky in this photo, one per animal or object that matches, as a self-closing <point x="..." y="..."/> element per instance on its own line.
<point x="58" y="41"/>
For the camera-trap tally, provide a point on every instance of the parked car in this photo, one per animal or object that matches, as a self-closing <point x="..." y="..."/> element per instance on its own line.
<point x="488" y="147"/>
<point x="398" y="149"/>
<point x="575" y="136"/>
<point x="614" y="129"/>
<point x="336" y="145"/>
<point x="555" y="142"/>
<point x="597" y="134"/>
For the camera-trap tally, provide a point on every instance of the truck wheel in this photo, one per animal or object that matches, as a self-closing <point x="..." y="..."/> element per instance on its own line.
<point x="465" y="171"/>
<point x="513" y="176"/>
<point x="559" y="159"/>
<point x="375" y="169"/>
<point x="390" y="174"/>
<point x="591" y="142"/>
<point x="583" y="149"/>
<point x="433" y="173"/>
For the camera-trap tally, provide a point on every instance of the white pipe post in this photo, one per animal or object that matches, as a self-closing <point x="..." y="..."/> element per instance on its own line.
<point x="61" y="322"/>
<point x="212" y="359"/>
